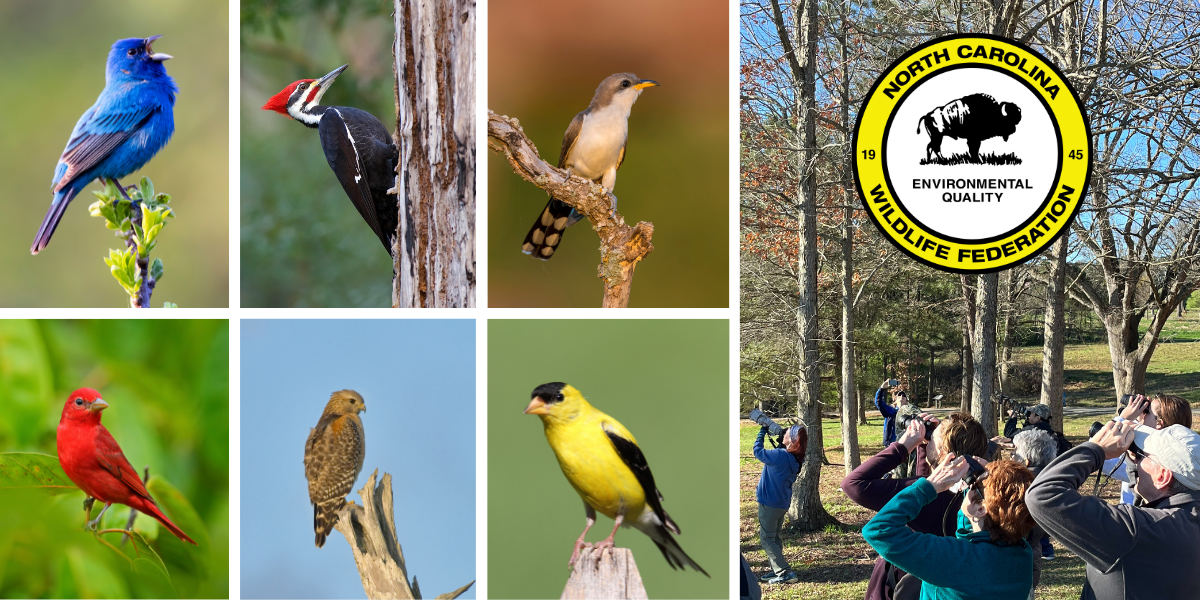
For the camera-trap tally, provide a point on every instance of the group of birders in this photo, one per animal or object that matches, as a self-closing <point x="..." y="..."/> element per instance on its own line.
<point x="962" y="522"/>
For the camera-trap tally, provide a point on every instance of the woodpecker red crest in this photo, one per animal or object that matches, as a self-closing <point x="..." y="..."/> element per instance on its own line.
<point x="280" y="102"/>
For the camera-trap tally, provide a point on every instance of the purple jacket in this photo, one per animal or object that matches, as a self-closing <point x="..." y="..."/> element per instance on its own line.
<point x="867" y="488"/>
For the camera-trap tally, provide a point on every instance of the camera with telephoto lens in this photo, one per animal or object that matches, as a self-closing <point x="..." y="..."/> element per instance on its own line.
<point x="1018" y="408"/>
<point x="774" y="430"/>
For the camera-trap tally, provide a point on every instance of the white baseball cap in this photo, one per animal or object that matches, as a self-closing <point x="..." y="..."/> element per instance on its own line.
<point x="1177" y="448"/>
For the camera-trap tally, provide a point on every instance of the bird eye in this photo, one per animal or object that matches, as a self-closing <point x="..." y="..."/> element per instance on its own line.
<point x="79" y="402"/>
<point x="558" y="398"/>
<point x="133" y="51"/>
<point x="625" y="83"/>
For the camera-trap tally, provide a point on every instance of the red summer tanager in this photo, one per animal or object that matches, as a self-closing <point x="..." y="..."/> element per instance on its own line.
<point x="93" y="460"/>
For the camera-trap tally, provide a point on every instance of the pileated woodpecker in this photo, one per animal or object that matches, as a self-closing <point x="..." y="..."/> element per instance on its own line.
<point x="358" y="147"/>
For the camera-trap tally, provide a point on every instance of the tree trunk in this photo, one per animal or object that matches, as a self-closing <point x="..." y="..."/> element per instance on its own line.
<point x="1053" y="332"/>
<point x="1006" y="331"/>
<point x="984" y="352"/>
<point x="849" y="389"/>
<point x="968" y="371"/>
<point x="806" y="510"/>
<point x="966" y="285"/>
<point x="434" y="66"/>
<point x="862" y="407"/>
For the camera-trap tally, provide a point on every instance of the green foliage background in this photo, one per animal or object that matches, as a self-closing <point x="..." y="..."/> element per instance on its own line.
<point x="545" y="59"/>
<point x="167" y="383"/>
<point x="667" y="381"/>
<point x="54" y="55"/>
<point x="303" y="243"/>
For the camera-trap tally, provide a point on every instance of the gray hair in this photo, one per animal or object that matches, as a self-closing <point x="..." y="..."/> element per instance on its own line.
<point x="1035" y="447"/>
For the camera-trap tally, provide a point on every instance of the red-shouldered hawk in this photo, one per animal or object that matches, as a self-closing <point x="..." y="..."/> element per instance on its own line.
<point x="333" y="457"/>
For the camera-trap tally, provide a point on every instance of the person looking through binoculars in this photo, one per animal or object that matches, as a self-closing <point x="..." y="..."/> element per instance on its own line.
<point x="774" y="493"/>
<point x="899" y="398"/>
<point x="1132" y="552"/>
<point x="988" y="556"/>
<point x="868" y="487"/>
<point x="1161" y="412"/>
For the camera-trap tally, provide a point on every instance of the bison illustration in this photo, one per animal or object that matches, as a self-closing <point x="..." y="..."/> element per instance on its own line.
<point x="974" y="118"/>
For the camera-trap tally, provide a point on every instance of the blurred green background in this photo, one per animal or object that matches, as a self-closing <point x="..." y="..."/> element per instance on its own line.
<point x="167" y="384"/>
<point x="303" y="243"/>
<point x="54" y="55"/>
<point x="667" y="381"/>
<point x="545" y="59"/>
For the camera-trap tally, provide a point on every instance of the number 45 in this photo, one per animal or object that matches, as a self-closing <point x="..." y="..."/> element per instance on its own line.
<point x="1076" y="154"/>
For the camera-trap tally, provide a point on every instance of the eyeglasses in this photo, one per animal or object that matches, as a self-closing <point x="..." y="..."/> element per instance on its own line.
<point x="1136" y="454"/>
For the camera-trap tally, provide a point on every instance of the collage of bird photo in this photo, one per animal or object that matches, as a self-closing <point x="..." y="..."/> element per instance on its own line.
<point x="912" y="292"/>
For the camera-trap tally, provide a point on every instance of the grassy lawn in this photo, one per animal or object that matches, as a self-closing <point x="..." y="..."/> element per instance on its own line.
<point x="835" y="563"/>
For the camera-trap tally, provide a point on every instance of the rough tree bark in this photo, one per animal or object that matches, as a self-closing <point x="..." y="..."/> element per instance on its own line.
<point x="1054" y="332"/>
<point x="806" y="509"/>
<point x="621" y="246"/>
<point x="434" y="66"/>
<point x="849" y="199"/>
<point x="608" y="574"/>
<point x="967" y="285"/>
<point x="984" y="352"/>
<point x="370" y="530"/>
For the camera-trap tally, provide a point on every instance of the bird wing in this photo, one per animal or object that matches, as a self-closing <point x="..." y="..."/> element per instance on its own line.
<point x="621" y="159"/>
<point x="312" y="462"/>
<point x="569" y="138"/>
<point x="343" y="158"/>
<point x="633" y="458"/>
<point x="99" y="131"/>
<point x="109" y="455"/>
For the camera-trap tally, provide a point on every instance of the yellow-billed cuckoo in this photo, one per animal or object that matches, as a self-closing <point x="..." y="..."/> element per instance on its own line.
<point x="593" y="148"/>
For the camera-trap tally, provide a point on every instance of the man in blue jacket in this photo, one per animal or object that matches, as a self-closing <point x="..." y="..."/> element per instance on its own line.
<point x="888" y="411"/>
<point x="780" y="467"/>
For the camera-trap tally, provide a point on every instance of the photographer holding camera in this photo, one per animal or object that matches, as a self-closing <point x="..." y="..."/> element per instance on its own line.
<point x="1132" y="552"/>
<point x="867" y="486"/>
<point x="1036" y="417"/>
<point x="774" y="493"/>
<point x="988" y="557"/>
<point x="1161" y="412"/>
<point x="899" y="398"/>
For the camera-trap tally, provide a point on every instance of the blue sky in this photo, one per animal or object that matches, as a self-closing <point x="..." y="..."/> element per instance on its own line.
<point x="417" y="378"/>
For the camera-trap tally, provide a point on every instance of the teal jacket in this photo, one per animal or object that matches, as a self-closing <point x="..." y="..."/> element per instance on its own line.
<point x="968" y="565"/>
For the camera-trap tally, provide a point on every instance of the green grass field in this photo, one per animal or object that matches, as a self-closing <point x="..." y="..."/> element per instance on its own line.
<point x="835" y="563"/>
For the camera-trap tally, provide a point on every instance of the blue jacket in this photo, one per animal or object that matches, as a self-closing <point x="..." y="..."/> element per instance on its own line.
<point x="969" y="565"/>
<point x="780" y="468"/>
<point x="889" y="417"/>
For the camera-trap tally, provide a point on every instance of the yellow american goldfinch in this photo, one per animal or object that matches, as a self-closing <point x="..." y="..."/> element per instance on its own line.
<point x="602" y="461"/>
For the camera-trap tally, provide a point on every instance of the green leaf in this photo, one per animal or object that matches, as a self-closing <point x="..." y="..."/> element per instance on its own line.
<point x="156" y="269"/>
<point x="146" y="187"/>
<point x="33" y="470"/>
<point x="170" y="305"/>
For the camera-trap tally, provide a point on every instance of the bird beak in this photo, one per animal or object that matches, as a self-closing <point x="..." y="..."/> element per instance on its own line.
<point x="645" y="83"/>
<point x="322" y="84"/>
<point x="537" y="406"/>
<point x="149" y="52"/>
<point x="97" y="405"/>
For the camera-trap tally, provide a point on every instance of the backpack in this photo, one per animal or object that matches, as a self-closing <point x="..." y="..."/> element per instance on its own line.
<point x="1063" y="443"/>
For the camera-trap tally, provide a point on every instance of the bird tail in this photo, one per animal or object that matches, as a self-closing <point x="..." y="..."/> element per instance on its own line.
<point x="57" y="208"/>
<point x="152" y="509"/>
<point x="546" y="234"/>
<point x="325" y="516"/>
<point x="660" y="533"/>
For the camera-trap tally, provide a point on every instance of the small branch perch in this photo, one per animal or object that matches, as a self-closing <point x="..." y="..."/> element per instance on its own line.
<point x="371" y="531"/>
<point x="605" y="575"/>
<point x="621" y="246"/>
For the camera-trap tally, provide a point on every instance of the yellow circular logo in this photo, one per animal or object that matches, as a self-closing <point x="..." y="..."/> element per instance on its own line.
<point x="972" y="153"/>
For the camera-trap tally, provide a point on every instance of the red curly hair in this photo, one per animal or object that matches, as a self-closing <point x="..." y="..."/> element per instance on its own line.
<point x="1007" y="519"/>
